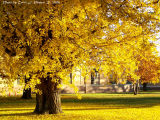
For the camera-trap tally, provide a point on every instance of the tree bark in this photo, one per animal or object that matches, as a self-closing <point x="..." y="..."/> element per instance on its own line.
<point x="136" y="87"/>
<point x="55" y="103"/>
<point x="144" y="86"/>
<point x="49" y="102"/>
<point x="85" y="85"/>
<point x="26" y="92"/>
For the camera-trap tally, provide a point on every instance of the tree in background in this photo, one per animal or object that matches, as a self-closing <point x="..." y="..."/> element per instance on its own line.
<point x="48" y="41"/>
<point x="27" y="92"/>
<point x="148" y="64"/>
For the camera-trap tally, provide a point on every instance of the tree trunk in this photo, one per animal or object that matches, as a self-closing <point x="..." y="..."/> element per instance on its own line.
<point x="26" y="92"/>
<point x="144" y="86"/>
<point x="55" y="103"/>
<point x="49" y="102"/>
<point x="85" y="85"/>
<point x="136" y="87"/>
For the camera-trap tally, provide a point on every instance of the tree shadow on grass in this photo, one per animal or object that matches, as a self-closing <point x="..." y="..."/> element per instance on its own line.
<point x="72" y="109"/>
<point x="101" y="108"/>
<point x="148" y="92"/>
<point x="127" y="102"/>
<point x="18" y="114"/>
<point x="95" y="103"/>
<point x="17" y="110"/>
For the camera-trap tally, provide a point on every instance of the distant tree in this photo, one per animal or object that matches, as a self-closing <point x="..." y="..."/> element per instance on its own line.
<point x="27" y="92"/>
<point x="148" y="65"/>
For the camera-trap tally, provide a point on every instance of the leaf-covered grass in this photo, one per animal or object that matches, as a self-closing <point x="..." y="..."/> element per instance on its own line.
<point x="145" y="106"/>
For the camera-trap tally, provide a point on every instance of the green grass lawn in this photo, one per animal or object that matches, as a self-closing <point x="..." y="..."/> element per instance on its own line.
<point x="145" y="106"/>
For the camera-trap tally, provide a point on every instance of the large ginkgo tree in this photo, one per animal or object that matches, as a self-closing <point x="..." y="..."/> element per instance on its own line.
<point x="47" y="41"/>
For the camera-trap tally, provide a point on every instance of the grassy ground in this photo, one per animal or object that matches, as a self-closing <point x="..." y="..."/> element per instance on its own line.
<point x="145" y="106"/>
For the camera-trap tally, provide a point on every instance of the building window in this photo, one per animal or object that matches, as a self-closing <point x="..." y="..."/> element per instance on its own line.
<point x="128" y="82"/>
<point x="95" y="78"/>
<point x="70" y="78"/>
<point x="113" y="78"/>
<point x="92" y="78"/>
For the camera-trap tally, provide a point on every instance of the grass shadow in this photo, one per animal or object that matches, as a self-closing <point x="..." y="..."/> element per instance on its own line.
<point x="88" y="102"/>
<point x="18" y="114"/>
<point x="17" y="110"/>
<point x="128" y="102"/>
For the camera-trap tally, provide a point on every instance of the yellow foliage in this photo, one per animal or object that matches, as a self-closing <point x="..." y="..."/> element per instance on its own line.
<point x="52" y="40"/>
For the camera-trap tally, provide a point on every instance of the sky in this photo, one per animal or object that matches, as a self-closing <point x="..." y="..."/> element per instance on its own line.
<point x="158" y="43"/>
